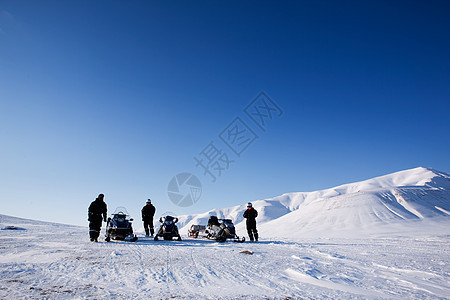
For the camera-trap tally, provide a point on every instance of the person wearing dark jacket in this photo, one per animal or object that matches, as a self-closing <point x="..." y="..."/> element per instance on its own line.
<point x="148" y="211"/>
<point x="250" y="214"/>
<point x="96" y="213"/>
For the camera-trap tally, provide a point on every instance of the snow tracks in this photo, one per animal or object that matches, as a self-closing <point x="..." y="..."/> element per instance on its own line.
<point x="57" y="262"/>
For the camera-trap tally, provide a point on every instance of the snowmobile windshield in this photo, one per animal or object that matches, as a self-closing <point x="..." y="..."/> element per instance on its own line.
<point x="120" y="212"/>
<point x="169" y="220"/>
<point x="213" y="221"/>
<point x="227" y="222"/>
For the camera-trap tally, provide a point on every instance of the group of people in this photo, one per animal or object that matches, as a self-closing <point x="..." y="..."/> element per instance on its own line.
<point x="98" y="210"/>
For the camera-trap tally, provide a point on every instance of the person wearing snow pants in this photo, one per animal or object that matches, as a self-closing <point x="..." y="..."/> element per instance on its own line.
<point x="250" y="214"/>
<point x="96" y="212"/>
<point x="148" y="211"/>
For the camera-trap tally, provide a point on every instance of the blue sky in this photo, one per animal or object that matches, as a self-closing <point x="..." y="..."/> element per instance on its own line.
<point x="117" y="97"/>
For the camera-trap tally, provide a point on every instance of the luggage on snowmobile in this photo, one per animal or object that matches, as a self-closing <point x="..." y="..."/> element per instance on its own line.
<point x="118" y="227"/>
<point x="195" y="230"/>
<point x="218" y="229"/>
<point x="168" y="230"/>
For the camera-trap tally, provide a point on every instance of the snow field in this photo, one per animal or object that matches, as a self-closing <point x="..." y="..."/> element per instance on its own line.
<point x="58" y="262"/>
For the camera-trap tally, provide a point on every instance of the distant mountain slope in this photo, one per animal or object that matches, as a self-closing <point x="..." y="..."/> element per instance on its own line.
<point x="414" y="194"/>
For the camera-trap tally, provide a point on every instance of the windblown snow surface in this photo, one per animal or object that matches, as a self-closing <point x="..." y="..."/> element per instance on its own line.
<point x="383" y="238"/>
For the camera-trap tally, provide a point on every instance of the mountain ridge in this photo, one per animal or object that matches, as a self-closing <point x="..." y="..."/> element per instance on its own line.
<point x="418" y="193"/>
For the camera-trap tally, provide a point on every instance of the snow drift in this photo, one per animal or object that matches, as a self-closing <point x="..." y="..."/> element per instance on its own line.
<point x="374" y="205"/>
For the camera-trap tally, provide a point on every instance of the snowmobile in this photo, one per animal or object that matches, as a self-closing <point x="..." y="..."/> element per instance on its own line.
<point x="118" y="227"/>
<point x="168" y="230"/>
<point x="218" y="230"/>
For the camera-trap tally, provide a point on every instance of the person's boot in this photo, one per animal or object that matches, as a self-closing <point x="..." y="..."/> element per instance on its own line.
<point x="146" y="231"/>
<point x="152" y="231"/>
<point x="92" y="235"/>
<point x="250" y="235"/>
<point x="256" y="236"/>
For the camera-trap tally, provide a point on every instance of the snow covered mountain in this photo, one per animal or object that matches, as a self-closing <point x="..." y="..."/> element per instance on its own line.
<point x="392" y="200"/>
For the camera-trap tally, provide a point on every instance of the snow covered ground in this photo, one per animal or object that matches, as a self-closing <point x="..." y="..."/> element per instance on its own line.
<point x="44" y="260"/>
<point x="382" y="238"/>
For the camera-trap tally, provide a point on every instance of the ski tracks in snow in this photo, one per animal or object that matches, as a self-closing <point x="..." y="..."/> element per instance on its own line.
<point x="358" y="269"/>
<point x="43" y="263"/>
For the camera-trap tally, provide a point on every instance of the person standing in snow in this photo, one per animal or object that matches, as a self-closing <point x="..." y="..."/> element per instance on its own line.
<point x="96" y="212"/>
<point x="148" y="211"/>
<point x="250" y="214"/>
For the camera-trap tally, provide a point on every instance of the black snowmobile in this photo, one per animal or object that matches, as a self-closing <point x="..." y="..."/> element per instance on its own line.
<point x="118" y="227"/>
<point x="218" y="230"/>
<point x="168" y="230"/>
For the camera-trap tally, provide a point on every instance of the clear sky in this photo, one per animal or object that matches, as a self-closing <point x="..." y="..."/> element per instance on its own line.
<point x="117" y="97"/>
